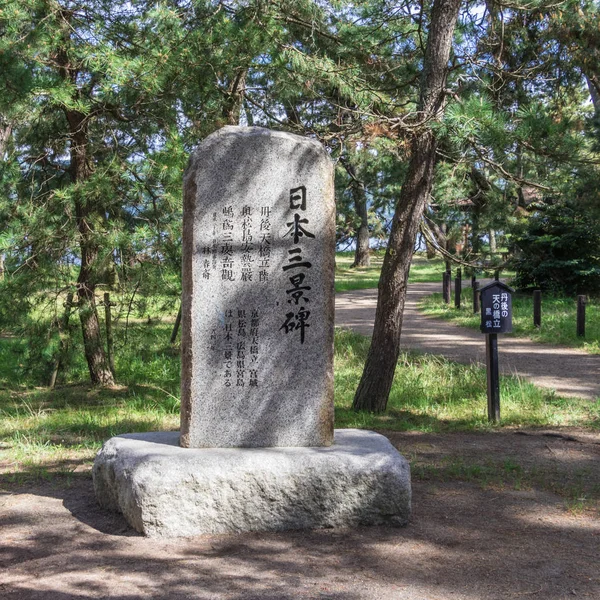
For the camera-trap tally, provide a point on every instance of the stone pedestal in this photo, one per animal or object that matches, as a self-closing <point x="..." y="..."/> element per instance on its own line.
<point x="165" y="490"/>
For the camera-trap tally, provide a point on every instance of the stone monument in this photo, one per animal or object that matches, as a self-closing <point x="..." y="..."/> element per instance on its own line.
<point x="258" y="296"/>
<point x="257" y="450"/>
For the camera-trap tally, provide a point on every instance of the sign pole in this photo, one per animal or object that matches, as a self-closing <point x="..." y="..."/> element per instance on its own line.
<point x="493" y="379"/>
<point x="496" y="317"/>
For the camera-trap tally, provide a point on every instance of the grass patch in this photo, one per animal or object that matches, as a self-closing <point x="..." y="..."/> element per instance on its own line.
<point x="356" y="278"/>
<point x="46" y="431"/>
<point x="56" y="433"/>
<point x="559" y="318"/>
<point x="432" y="394"/>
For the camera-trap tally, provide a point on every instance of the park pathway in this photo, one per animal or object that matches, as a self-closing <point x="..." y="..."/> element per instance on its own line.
<point x="569" y="371"/>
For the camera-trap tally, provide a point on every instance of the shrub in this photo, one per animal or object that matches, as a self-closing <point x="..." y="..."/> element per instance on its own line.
<point x="559" y="250"/>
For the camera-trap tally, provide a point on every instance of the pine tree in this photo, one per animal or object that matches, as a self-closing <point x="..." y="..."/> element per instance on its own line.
<point x="87" y="96"/>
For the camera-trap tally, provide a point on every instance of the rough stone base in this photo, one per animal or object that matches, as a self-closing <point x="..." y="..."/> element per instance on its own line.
<point x="165" y="490"/>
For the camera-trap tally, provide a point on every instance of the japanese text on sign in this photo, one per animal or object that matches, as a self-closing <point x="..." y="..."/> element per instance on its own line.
<point x="239" y="248"/>
<point x="240" y="347"/>
<point x="296" y="268"/>
<point x="496" y="308"/>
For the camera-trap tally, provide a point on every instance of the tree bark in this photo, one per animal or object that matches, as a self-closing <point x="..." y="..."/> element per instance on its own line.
<point x="493" y="241"/>
<point x="376" y="382"/>
<point x="175" y="328"/>
<point x="5" y="134"/>
<point x="593" y="84"/>
<point x="235" y="98"/>
<point x="362" y="257"/>
<point x="81" y="170"/>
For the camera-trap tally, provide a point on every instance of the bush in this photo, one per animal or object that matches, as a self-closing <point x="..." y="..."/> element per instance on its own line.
<point x="559" y="250"/>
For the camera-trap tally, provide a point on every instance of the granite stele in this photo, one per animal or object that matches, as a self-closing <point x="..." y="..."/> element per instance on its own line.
<point x="257" y="450"/>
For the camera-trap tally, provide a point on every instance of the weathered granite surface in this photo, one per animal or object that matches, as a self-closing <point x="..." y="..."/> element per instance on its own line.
<point x="258" y="295"/>
<point x="165" y="490"/>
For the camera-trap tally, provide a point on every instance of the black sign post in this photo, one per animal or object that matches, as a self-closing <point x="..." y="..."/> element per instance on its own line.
<point x="496" y="317"/>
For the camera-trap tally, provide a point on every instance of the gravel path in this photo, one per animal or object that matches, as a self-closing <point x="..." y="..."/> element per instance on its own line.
<point x="569" y="371"/>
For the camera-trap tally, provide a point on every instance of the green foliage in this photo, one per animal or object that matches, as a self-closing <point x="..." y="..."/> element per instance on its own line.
<point x="559" y="250"/>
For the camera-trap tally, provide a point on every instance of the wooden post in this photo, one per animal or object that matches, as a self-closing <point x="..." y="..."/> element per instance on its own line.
<point x="63" y="326"/>
<point x="473" y="279"/>
<point x="176" y="327"/>
<point x="457" y="288"/>
<point x="497" y="274"/>
<point x="110" y="346"/>
<point x="537" y="308"/>
<point x="581" y="316"/>
<point x="475" y="297"/>
<point x="493" y="379"/>
<point x="447" y="287"/>
<point x="444" y="286"/>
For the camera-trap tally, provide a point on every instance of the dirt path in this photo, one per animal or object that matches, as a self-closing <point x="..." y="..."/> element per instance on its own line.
<point x="467" y="540"/>
<point x="569" y="371"/>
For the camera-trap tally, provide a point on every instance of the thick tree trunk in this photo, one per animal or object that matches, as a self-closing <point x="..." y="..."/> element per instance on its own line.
<point x="362" y="257"/>
<point x="97" y="361"/>
<point x="81" y="170"/>
<point x="235" y="98"/>
<point x="374" y="388"/>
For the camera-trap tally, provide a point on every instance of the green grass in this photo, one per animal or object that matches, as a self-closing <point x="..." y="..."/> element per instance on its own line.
<point x="432" y="394"/>
<point x="358" y="278"/>
<point x="53" y="435"/>
<point x="422" y="270"/>
<point x="44" y="431"/>
<point x="54" y="430"/>
<point x="559" y="318"/>
<point x="347" y="278"/>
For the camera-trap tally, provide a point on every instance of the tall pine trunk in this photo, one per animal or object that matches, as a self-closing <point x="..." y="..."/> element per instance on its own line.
<point x="374" y="387"/>
<point x="362" y="257"/>
<point x="81" y="170"/>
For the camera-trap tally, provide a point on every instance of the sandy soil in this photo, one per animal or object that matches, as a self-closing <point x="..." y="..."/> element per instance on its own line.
<point x="465" y="540"/>
<point x="569" y="371"/>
